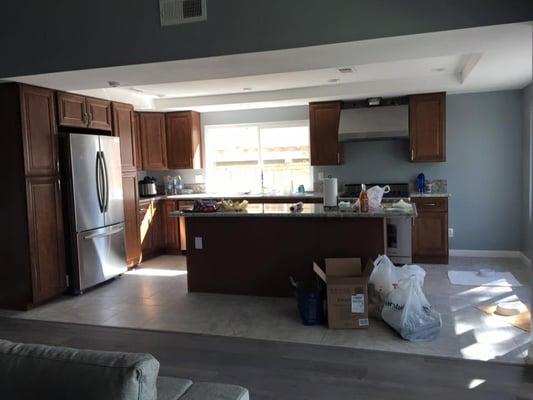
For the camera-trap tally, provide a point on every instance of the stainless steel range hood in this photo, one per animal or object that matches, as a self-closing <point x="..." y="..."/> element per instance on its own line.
<point x="374" y="123"/>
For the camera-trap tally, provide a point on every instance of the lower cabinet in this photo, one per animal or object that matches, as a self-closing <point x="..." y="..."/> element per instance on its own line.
<point x="131" y="199"/>
<point x="430" y="230"/>
<point x="150" y="228"/>
<point x="170" y="228"/>
<point x="45" y="229"/>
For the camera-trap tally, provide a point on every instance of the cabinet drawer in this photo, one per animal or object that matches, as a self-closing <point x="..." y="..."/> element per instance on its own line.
<point x="430" y="204"/>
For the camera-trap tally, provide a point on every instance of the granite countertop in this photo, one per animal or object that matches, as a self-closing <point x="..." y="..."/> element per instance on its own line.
<point x="309" y="210"/>
<point x="205" y="196"/>
<point x="432" y="194"/>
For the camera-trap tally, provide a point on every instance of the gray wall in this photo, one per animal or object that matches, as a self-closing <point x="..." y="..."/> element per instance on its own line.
<point x="484" y="169"/>
<point x="527" y="175"/>
<point x="39" y="36"/>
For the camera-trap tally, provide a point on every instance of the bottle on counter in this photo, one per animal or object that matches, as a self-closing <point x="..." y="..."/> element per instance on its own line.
<point x="363" y="199"/>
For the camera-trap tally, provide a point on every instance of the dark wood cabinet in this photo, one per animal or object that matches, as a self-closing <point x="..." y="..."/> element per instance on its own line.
<point x="170" y="227"/>
<point x="427" y="127"/>
<point x="39" y="131"/>
<point x="137" y="135"/>
<point x="45" y="222"/>
<point x="150" y="228"/>
<point x="324" y="133"/>
<point x="184" y="143"/>
<point x="99" y="114"/>
<point x="123" y="127"/>
<point x="131" y="223"/>
<point x="153" y="141"/>
<point x="430" y="230"/>
<point x="78" y="111"/>
<point x="33" y="254"/>
<point x="71" y="110"/>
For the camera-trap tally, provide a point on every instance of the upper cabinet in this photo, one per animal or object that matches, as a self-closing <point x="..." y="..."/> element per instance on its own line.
<point x="153" y="140"/>
<point x="427" y="127"/>
<point x="124" y="127"/>
<point x="83" y="112"/>
<point x="184" y="144"/>
<point x="39" y="131"/>
<point x="324" y="133"/>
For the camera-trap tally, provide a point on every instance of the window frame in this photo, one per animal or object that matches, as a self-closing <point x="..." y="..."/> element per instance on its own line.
<point x="258" y="126"/>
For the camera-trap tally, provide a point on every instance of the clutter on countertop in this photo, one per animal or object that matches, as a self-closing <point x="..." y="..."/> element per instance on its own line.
<point x="330" y="192"/>
<point x="363" y="199"/>
<point x="297" y="207"/>
<point x="509" y="308"/>
<point x="233" y="205"/>
<point x="474" y="278"/>
<point x="375" y="196"/>
<point x="205" y="206"/>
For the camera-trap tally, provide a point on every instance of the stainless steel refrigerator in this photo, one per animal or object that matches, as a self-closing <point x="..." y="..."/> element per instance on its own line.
<point x="95" y="221"/>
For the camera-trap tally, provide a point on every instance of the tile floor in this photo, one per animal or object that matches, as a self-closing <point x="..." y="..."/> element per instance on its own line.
<point x="155" y="297"/>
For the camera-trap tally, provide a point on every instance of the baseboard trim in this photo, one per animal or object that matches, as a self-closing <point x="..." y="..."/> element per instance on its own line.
<point x="486" y="253"/>
<point x="492" y="254"/>
<point x="525" y="259"/>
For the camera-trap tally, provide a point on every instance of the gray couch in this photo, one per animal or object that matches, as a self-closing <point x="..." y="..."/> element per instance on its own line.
<point x="32" y="371"/>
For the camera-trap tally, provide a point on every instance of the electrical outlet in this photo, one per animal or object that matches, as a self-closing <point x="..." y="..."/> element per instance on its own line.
<point x="450" y="232"/>
<point x="198" y="243"/>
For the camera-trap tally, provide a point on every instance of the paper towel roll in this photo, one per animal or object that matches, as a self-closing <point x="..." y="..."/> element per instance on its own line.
<point x="330" y="192"/>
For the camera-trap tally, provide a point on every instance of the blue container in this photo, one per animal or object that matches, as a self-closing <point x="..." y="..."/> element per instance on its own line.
<point x="421" y="182"/>
<point x="310" y="302"/>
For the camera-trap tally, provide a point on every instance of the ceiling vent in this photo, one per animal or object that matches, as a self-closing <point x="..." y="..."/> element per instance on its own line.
<point x="176" y="12"/>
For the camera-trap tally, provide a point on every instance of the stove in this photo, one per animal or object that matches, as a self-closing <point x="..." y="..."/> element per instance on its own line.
<point x="398" y="229"/>
<point x="397" y="191"/>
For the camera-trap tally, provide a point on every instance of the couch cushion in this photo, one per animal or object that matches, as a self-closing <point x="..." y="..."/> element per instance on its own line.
<point x="215" y="391"/>
<point x="171" y="388"/>
<point x="31" y="371"/>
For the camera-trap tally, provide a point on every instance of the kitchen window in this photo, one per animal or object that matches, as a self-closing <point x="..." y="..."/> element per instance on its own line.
<point x="257" y="158"/>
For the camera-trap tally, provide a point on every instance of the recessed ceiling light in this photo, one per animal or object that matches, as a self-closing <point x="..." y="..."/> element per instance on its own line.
<point x="334" y="80"/>
<point x="439" y="69"/>
<point x="345" y="70"/>
<point x="113" y="83"/>
<point x="247" y="89"/>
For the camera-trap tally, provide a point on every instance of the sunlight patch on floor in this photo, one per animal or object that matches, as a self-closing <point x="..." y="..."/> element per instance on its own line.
<point x="156" y="272"/>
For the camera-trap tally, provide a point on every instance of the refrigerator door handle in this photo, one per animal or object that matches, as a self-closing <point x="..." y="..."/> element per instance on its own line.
<point x="99" y="235"/>
<point x="106" y="182"/>
<point x="99" y="182"/>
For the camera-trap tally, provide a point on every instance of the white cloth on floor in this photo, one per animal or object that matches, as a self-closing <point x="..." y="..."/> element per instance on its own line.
<point x="472" y="278"/>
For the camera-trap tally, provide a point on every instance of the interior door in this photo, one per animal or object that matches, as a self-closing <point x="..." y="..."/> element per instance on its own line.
<point x="83" y="163"/>
<point x="113" y="196"/>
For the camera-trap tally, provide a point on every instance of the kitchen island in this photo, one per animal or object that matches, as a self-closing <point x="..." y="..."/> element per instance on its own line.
<point x="254" y="252"/>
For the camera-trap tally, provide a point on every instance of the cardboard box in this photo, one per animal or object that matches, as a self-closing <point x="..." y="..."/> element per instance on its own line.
<point x="347" y="292"/>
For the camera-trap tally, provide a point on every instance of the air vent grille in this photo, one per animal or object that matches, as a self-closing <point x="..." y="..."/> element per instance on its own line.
<point x="175" y="12"/>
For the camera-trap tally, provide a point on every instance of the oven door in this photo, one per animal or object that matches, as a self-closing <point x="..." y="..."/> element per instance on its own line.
<point x="399" y="240"/>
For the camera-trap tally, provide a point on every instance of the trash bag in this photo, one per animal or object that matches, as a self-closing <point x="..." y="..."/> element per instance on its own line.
<point x="385" y="275"/>
<point x="409" y="313"/>
<point x="375" y="195"/>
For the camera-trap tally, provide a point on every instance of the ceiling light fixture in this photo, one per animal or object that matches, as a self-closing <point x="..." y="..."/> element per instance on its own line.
<point x="439" y="69"/>
<point x="345" y="70"/>
<point x="113" y="83"/>
<point x="334" y="80"/>
<point x="247" y="89"/>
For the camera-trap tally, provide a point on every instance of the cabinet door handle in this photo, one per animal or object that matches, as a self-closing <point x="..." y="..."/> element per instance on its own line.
<point x="412" y="154"/>
<point x="430" y="204"/>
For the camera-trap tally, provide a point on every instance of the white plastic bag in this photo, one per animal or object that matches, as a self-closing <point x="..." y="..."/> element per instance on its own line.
<point x="384" y="278"/>
<point x="409" y="313"/>
<point x="375" y="195"/>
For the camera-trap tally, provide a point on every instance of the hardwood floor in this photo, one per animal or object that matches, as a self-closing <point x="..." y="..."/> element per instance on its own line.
<point x="280" y="370"/>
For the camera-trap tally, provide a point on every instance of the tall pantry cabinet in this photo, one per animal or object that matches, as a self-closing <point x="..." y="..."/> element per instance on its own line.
<point x="32" y="252"/>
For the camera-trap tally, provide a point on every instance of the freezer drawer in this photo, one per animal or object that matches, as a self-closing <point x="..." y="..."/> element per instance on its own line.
<point x="101" y="255"/>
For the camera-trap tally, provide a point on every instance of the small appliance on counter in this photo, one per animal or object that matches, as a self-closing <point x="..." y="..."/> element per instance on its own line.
<point x="148" y="187"/>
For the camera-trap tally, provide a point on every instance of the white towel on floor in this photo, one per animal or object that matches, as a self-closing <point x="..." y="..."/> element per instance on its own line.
<point x="472" y="278"/>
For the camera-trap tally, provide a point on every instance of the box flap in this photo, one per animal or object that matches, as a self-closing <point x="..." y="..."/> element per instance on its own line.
<point x="343" y="266"/>
<point x="320" y="272"/>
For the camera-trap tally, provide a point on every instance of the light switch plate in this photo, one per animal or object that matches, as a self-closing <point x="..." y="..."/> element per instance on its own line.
<point x="198" y="243"/>
<point x="450" y="232"/>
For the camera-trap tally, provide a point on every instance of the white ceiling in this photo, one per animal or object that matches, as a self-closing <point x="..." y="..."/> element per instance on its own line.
<point x="466" y="60"/>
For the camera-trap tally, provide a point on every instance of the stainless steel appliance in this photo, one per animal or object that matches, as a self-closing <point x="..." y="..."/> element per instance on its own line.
<point x="147" y="187"/>
<point x="399" y="242"/>
<point x="95" y="218"/>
